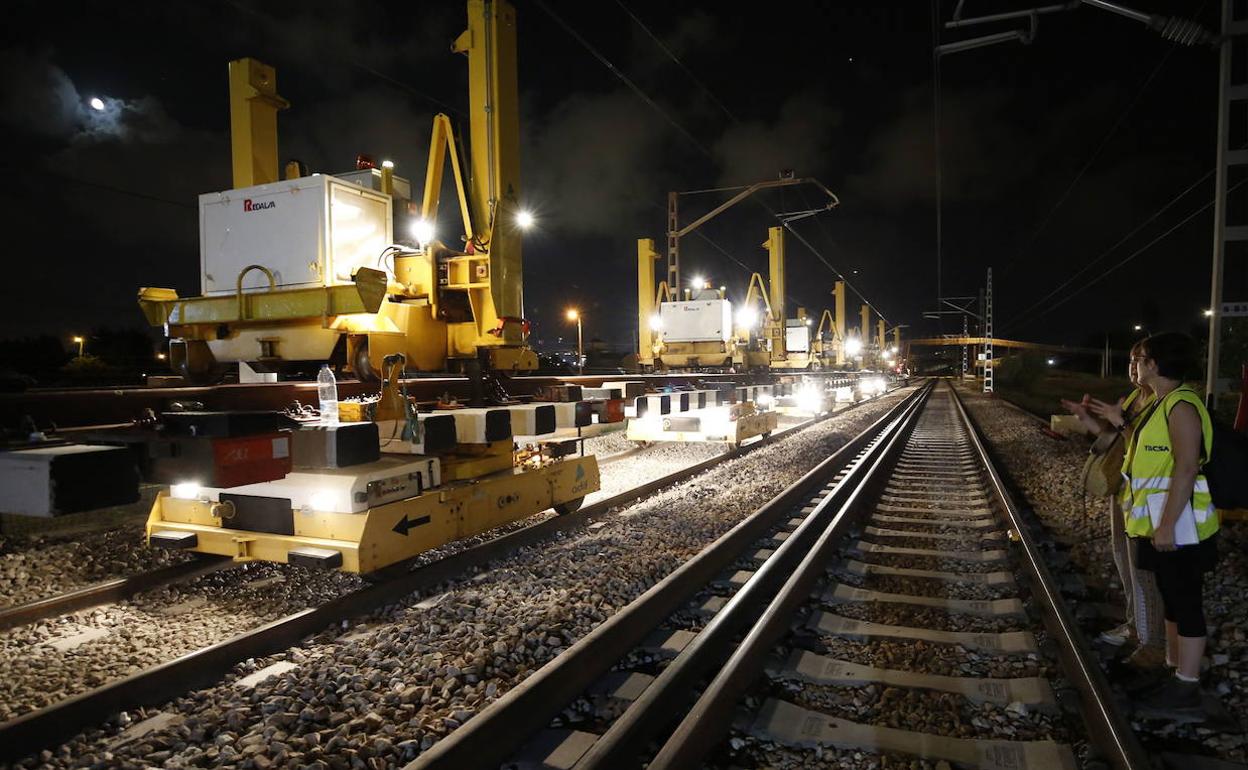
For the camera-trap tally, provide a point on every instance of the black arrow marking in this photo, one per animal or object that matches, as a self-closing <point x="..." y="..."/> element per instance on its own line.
<point x="403" y="524"/>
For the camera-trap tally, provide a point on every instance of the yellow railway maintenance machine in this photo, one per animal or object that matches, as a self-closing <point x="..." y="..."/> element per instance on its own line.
<point x="329" y="278"/>
<point x="307" y="269"/>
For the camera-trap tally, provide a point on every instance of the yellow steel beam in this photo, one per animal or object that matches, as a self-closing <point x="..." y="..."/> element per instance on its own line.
<point x="646" y="256"/>
<point x="253" y="122"/>
<point x="363" y="296"/>
<point x="998" y="342"/>
<point x="838" y="294"/>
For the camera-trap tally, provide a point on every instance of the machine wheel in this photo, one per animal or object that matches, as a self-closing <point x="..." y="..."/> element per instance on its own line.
<point x="571" y="506"/>
<point x="363" y="365"/>
<point x="199" y="369"/>
<point x="387" y="573"/>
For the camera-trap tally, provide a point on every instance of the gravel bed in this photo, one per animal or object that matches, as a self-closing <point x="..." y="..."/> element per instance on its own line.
<point x="966" y="543"/>
<point x="934" y="525"/>
<point x="898" y="584"/>
<point x="141" y="633"/>
<point x="933" y="563"/>
<point x="625" y="465"/>
<point x="406" y="676"/>
<point x="926" y="711"/>
<point x="152" y="628"/>
<point x="928" y="658"/>
<point x="913" y="616"/>
<point x="34" y="567"/>
<point x="1048" y="471"/>
<point x="749" y="752"/>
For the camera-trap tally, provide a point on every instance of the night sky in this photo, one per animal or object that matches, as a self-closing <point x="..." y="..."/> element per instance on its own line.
<point x="98" y="204"/>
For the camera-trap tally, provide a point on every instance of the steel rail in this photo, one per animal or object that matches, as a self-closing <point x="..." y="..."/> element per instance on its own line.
<point x="706" y="724"/>
<point x="1109" y="730"/>
<point x="108" y="591"/>
<point x="790" y="569"/>
<point x="109" y="406"/>
<point x="711" y="716"/>
<point x="57" y="722"/>
<point x="492" y="736"/>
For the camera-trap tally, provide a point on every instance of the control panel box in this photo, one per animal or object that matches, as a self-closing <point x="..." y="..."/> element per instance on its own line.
<point x="696" y="320"/>
<point x="797" y="339"/>
<point x="308" y="232"/>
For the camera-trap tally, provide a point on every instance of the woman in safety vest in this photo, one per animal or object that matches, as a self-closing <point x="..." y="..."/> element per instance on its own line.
<point x="1113" y="426"/>
<point x="1169" y="512"/>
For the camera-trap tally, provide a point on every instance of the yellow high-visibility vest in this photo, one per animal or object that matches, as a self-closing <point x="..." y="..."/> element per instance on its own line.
<point x="1149" y="467"/>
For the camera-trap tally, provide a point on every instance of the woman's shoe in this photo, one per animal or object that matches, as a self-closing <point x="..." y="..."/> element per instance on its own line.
<point x="1174" y="695"/>
<point x="1116" y="637"/>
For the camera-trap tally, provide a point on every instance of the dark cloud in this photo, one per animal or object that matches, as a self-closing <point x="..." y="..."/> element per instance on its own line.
<point x="38" y="96"/>
<point x="978" y="136"/>
<point x="594" y="162"/>
<point x="801" y="138"/>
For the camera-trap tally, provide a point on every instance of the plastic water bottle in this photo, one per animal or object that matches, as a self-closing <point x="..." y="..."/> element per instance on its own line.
<point x="327" y="390"/>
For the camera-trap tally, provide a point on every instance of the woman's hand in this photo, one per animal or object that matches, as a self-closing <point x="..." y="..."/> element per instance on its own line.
<point x="1163" y="537"/>
<point x="1080" y="409"/>
<point x="1110" y="413"/>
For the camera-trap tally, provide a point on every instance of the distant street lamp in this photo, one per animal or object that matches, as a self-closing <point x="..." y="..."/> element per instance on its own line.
<point x="1208" y="313"/>
<point x="81" y="341"/>
<point x="574" y="315"/>
<point x="160" y="356"/>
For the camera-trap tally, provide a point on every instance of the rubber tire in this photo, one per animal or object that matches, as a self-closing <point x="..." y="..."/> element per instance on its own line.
<point x="363" y="365"/>
<point x="571" y="506"/>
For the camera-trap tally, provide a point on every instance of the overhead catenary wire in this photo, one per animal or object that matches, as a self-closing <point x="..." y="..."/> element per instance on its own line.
<point x="679" y="63"/>
<point x="1023" y="317"/>
<point x="684" y="132"/>
<point x="44" y="173"/>
<point x="1096" y="154"/>
<point x="624" y="78"/>
<point x="369" y="69"/>
<point x="1135" y="253"/>
<point x="841" y="276"/>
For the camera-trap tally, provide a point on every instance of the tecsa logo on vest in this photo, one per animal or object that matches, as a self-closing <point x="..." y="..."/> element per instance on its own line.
<point x="249" y="206"/>
<point x="1155" y="448"/>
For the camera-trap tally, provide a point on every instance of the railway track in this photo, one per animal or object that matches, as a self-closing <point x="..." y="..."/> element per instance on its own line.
<point x="52" y="724"/>
<point x="889" y="603"/>
<point x="107" y="591"/>
<point x="78" y="408"/>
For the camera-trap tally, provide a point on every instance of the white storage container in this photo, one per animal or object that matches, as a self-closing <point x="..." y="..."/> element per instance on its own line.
<point x="312" y="231"/>
<point x="696" y="320"/>
<point x="371" y="178"/>
<point x="797" y="339"/>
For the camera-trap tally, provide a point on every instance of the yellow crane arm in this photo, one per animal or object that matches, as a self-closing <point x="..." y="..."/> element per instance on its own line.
<point x="758" y="290"/>
<point x="826" y="318"/>
<point x="442" y="144"/>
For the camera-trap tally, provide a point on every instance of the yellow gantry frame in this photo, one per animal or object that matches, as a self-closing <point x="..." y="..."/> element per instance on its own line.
<point x="253" y="122"/>
<point x="493" y="189"/>
<point x="838" y="296"/>
<point x="490" y="274"/>
<point x="647" y="301"/>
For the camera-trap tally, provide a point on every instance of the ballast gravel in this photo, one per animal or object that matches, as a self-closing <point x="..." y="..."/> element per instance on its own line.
<point x="377" y="693"/>
<point x="1048" y="472"/>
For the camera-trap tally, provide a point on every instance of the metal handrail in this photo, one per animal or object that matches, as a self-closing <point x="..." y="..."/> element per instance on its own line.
<point x="241" y="302"/>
